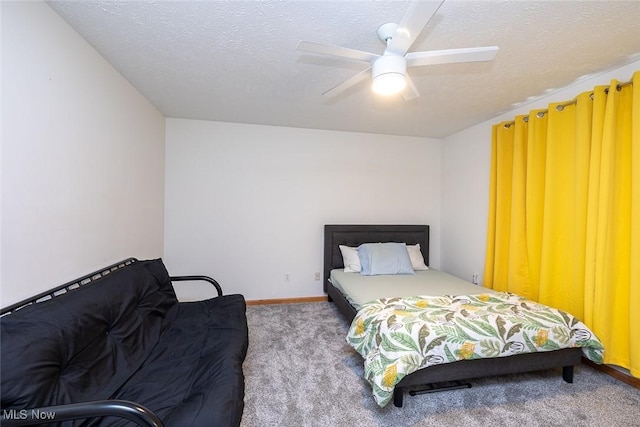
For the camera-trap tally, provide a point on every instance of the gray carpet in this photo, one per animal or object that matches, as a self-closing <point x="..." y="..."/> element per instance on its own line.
<point x="300" y="371"/>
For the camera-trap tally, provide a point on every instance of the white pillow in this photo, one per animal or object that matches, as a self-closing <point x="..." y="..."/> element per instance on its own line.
<point x="350" y="259"/>
<point x="417" y="260"/>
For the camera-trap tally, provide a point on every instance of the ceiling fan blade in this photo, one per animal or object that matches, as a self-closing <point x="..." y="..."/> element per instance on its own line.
<point x="352" y="81"/>
<point x="410" y="91"/>
<point x="449" y="56"/>
<point x="339" y="51"/>
<point x="413" y="21"/>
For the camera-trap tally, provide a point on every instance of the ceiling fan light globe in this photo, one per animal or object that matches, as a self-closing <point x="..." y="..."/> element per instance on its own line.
<point x="388" y="74"/>
<point x="389" y="83"/>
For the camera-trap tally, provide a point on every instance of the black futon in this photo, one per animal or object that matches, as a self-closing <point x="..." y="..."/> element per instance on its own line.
<point x="120" y="350"/>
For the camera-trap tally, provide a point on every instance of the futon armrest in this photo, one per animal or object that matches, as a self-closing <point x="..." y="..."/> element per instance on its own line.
<point x="99" y="408"/>
<point x="192" y="278"/>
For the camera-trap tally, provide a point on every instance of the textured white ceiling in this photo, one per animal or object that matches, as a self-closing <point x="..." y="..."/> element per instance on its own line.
<point x="236" y="61"/>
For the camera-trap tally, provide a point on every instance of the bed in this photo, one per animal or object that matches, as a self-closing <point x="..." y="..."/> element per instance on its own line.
<point x="444" y="375"/>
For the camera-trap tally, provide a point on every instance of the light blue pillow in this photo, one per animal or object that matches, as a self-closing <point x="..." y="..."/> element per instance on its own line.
<point x="384" y="258"/>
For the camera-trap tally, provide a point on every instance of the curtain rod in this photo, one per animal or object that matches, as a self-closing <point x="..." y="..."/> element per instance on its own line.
<point x="540" y="114"/>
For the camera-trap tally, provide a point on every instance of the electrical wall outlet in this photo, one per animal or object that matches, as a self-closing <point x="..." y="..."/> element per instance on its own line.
<point x="316" y="276"/>
<point x="287" y="277"/>
<point x="474" y="278"/>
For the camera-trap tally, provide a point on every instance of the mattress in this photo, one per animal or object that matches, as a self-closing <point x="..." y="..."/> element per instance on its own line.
<point x="359" y="289"/>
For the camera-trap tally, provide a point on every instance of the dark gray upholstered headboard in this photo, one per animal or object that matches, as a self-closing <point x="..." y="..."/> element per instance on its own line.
<point x="355" y="235"/>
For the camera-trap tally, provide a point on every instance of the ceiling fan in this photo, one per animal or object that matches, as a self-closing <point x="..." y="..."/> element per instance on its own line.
<point x="389" y="70"/>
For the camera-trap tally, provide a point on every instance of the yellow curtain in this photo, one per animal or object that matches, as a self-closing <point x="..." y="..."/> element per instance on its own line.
<point x="562" y="252"/>
<point x="536" y="163"/>
<point x="564" y="215"/>
<point x="496" y="267"/>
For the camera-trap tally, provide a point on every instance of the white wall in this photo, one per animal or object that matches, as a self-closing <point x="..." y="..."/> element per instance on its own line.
<point x="246" y="204"/>
<point x="466" y="158"/>
<point x="82" y="158"/>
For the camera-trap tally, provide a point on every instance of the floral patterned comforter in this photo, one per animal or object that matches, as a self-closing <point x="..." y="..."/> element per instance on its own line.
<point x="397" y="336"/>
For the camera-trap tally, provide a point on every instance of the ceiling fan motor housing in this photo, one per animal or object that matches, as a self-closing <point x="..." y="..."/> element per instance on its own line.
<point x="386" y="31"/>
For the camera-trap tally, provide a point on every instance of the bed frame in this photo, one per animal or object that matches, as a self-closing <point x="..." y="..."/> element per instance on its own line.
<point x="431" y="378"/>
